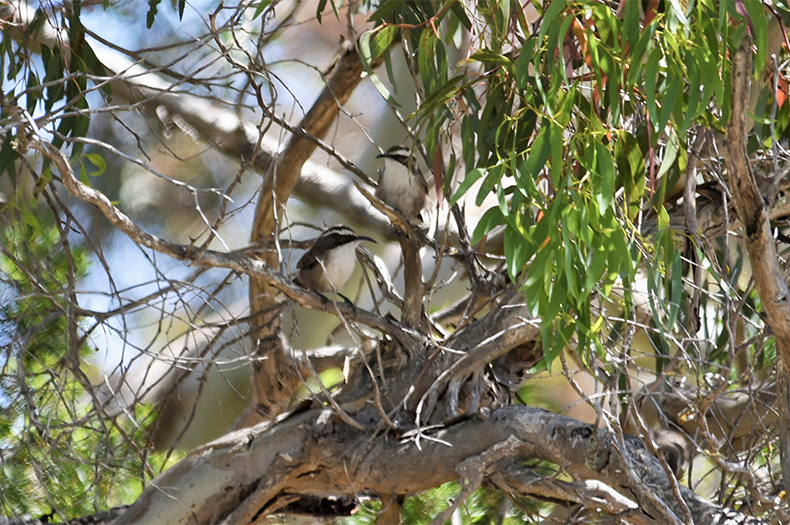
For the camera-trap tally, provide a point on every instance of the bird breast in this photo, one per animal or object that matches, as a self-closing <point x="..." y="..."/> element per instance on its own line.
<point x="339" y="265"/>
<point x="400" y="189"/>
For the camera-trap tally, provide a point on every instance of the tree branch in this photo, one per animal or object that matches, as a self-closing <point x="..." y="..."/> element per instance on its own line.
<point x="277" y="188"/>
<point x="752" y="211"/>
<point x="243" y="474"/>
<point x="412" y="265"/>
<point x="237" y="261"/>
<point x="216" y="125"/>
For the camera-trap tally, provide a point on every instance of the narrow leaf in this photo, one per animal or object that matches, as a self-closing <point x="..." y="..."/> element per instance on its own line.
<point x="471" y="177"/>
<point x="263" y="4"/>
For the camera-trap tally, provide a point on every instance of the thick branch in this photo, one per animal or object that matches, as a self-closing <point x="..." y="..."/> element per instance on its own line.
<point x="752" y="211"/>
<point x="245" y="475"/>
<point x="346" y="76"/>
<point x="277" y="188"/>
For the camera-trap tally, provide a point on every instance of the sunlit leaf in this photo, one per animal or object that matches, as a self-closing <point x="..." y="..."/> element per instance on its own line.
<point x="367" y="56"/>
<point x="98" y="161"/>
<point x="471" y="177"/>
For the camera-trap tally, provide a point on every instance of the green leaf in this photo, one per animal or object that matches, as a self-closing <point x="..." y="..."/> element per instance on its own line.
<point x="382" y="40"/>
<point x="54" y="69"/>
<point x="630" y="163"/>
<point x="605" y="191"/>
<point x="678" y="11"/>
<point x="517" y="252"/>
<point x="385" y="9"/>
<point x="367" y="57"/>
<point x="489" y="183"/>
<point x="557" y="143"/>
<point x="263" y="4"/>
<point x="523" y="63"/>
<point x="84" y="175"/>
<point x="458" y="10"/>
<point x="8" y="157"/>
<point x="663" y="218"/>
<point x="555" y="8"/>
<point x="708" y="71"/>
<point x="668" y="103"/>
<point x="670" y="154"/>
<point x="651" y="72"/>
<point x="560" y="331"/>
<point x="427" y="59"/>
<point x="760" y="25"/>
<point x="319" y="10"/>
<point x="566" y="24"/>
<point x="468" y="134"/>
<point x="567" y="261"/>
<point x="98" y="161"/>
<point x="539" y="153"/>
<point x="471" y="177"/>
<point x="631" y="23"/>
<point x="493" y="58"/>
<point x="490" y="220"/>
<point x="540" y="268"/>
<point x="694" y="81"/>
<point x="595" y="269"/>
<point x="676" y="289"/>
<point x="447" y="92"/>
<point x="152" y="11"/>
<point x="32" y="94"/>
<point x="30" y="219"/>
<point x="638" y="54"/>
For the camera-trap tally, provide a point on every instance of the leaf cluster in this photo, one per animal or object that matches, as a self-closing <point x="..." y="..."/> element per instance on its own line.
<point x="59" y="455"/>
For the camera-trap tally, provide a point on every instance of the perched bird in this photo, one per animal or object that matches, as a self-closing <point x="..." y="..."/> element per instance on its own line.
<point x="401" y="184"/>
<point x="329" y="262"/>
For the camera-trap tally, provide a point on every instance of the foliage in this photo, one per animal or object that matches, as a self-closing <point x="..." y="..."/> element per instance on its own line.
<point x="579" y="130"/>
<point x="483" y="506"/>
<point x="573" y="131"/>
<point x="60" y="456"/>
<point x="575" y="110"/>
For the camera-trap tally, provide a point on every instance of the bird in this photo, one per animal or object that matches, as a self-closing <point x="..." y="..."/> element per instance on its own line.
<point x="402" y="185"/>
<point x="329" y="262"/>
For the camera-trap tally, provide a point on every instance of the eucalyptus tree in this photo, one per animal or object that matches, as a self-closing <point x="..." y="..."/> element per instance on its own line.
<point x="608" y="208"/>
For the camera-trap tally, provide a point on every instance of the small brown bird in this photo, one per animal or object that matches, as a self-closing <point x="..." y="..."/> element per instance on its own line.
<point x="329" y="262"/>
<point x="401" y="184"/>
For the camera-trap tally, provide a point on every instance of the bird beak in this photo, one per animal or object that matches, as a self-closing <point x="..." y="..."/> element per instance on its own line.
<point x="366" y="239"/>
<point x="383" y="156"/>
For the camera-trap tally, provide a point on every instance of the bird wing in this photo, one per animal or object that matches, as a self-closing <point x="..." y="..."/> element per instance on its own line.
<point x="308" y="260"/>
<point x="421" y="181"/>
